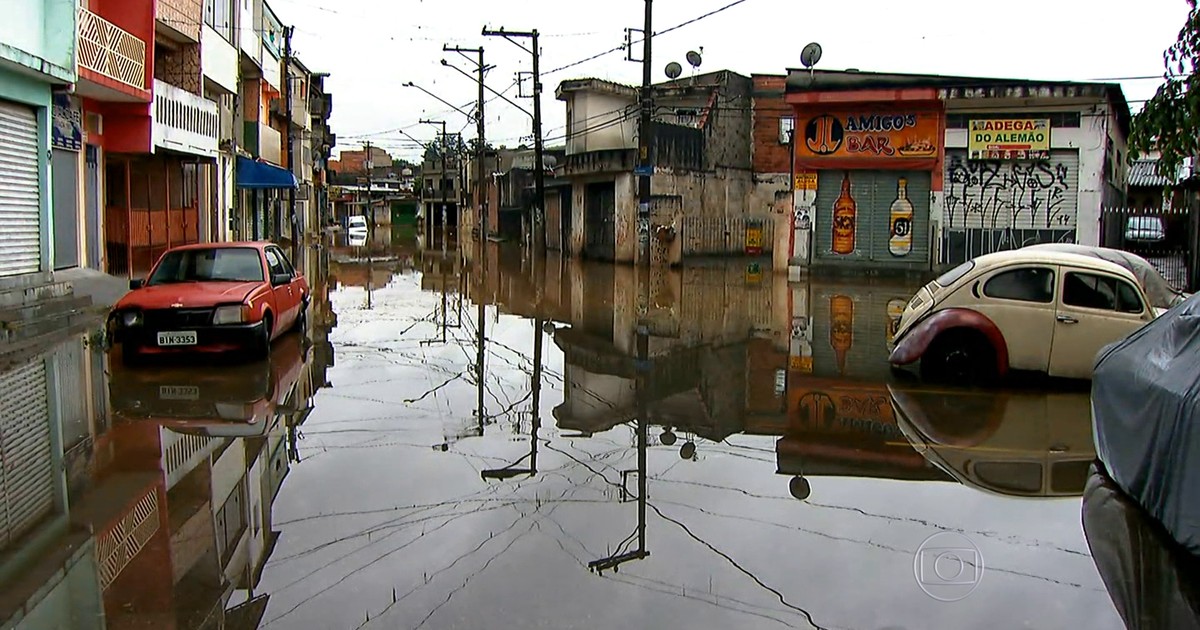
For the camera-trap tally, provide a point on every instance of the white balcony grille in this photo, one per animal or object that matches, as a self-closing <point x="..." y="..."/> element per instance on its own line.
<point x="109" y="50"/>
<point x="184" y="121"/>
<point x="120" y="545"/>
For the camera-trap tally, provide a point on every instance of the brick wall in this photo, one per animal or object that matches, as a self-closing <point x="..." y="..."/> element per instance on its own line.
<point x="769" y="156"/>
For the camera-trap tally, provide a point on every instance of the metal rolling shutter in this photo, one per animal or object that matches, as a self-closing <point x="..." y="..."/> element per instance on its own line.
<point x="26" y="467"/>
<point x="996" y="206"/>
<point x="866" y="350"/>
<point x="873" y="193"/>
<point x="20" y="202"/>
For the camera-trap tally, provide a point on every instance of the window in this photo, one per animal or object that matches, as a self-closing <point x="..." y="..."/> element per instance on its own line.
<point x="955" y="274"/>
<point x="287" y="264"/>
<point x="787" y="125"/>
<point x="275" y="263"/>
<point x="227" y="264"/>
<point x="1029" y="284"/>
<point x="218" y="14"/>
<point x="1011" y="476"/>
<point x="1087" y="290"/>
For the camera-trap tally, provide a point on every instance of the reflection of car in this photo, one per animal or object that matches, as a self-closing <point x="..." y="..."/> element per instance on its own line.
<point x="1036" y="310"/>
<point x="211" y="298"/>
<point x="218" y="401"/>
<point x="1026" y="444"/>
<point x="356" y="239"/>
<point x="357" y="225"/>
<point x="1145" y="230"/>
<point x="1152" y="582"/>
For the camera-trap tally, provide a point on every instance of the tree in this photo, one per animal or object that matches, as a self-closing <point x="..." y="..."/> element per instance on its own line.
<point x="1170" y="122"/>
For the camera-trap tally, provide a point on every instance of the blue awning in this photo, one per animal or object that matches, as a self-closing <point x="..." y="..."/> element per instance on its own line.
<point x="256" y="175"/>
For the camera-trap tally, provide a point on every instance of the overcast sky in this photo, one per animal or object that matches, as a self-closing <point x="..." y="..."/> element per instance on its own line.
<point x="371" y="47"/>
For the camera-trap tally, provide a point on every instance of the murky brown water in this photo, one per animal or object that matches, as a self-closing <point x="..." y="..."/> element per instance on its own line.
<point x="790" y="479"/>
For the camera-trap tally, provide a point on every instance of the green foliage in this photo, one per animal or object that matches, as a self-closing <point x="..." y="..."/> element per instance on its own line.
<point x="1170" y="122"/>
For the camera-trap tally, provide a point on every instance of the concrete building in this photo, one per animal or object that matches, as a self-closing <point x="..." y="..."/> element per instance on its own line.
<point x="918" y="172"/>
<point x="702" y="162"/>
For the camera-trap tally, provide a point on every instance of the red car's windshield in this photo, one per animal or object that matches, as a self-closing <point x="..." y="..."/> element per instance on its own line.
<point x="227" y="264"/>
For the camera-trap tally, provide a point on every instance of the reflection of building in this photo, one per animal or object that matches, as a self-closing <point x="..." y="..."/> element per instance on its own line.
<point x="50" y="408"/>
<point x="840" y="428"/>
<point x="918" y="171"/>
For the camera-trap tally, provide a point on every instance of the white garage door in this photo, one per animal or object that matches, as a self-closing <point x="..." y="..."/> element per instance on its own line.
<point x="20" y="203"/>
<point x="26" y="468"/>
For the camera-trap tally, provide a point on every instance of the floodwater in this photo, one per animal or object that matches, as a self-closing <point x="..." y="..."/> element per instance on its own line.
<point x="558" y="444"/>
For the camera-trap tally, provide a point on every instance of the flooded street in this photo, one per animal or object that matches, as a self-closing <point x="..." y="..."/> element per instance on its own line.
<point x="781" y="489"/>
<point x="750" y="460"/>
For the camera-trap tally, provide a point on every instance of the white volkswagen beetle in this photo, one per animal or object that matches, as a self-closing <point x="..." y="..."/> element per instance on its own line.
<point x="1031" y="309"/>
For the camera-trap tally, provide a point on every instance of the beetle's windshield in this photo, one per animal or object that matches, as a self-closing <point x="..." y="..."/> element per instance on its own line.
<point x="225" y="264"/>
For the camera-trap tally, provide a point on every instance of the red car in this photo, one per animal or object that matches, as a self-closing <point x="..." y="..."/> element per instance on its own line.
<point x="212" y="297"/>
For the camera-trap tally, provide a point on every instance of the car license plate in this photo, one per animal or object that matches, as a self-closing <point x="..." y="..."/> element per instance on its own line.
<point x="186" y="338"/>
<point x="178" y="392"/>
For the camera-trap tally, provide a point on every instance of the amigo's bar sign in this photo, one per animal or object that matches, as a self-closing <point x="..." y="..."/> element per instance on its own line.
<point x="1009" y="139"/>
<point x="866" y="134"/>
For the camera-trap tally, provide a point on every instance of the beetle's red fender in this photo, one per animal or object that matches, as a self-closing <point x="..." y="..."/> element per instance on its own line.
<point x="916" y="342"/>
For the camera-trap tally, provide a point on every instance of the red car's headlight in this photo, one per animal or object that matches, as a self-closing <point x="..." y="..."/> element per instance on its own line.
<point x="232" y="314"/>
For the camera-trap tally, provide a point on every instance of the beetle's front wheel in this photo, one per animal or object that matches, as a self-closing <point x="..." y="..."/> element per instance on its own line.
<point x="961" y="358"/>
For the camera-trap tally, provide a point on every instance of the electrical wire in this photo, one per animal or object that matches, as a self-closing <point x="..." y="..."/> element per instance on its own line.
<point x="655" y="34"/>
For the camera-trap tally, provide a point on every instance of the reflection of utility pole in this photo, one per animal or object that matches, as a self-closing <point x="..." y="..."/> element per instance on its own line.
<point x="614" y="561"/>
<point x="536" y="416"/>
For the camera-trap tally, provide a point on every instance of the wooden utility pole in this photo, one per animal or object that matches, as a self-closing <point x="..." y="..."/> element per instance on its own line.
<point x="291" y="151"/>
<point x="481" y="147"/>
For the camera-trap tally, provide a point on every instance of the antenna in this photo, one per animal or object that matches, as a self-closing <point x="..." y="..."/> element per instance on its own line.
<point x="810" y="56"/>
<point x="673" y="70"/>
<point x="694" y="58"/>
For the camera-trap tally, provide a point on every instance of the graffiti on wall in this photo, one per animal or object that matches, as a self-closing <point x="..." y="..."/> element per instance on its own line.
<point x="995" y="194"/>
<point x="995" y="206"/>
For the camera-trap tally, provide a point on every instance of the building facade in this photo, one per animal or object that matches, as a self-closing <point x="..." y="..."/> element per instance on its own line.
<point x="915" y="172"/>
<point x="702" y="168"/>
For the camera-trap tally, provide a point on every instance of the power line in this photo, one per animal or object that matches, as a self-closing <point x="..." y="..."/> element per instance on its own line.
<point x="655" y="34"/>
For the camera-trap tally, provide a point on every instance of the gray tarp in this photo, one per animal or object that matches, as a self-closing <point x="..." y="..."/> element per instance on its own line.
<point x="1146" y="417"/>
<point x="1160" y="293"/>
<point x="1152" y="583"/>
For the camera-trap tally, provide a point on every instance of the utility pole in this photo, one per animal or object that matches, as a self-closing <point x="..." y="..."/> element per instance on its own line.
<point x="645" y="131"/>
<point x="539" y="218"/>
<point x="370" y="211"/>
<point x="291" y="151"/>
<point x="480" y="149"/>
<point x="442" y="177"/>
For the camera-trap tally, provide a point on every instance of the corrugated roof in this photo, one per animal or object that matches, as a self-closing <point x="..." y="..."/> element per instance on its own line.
<point x="1144" y="172"/>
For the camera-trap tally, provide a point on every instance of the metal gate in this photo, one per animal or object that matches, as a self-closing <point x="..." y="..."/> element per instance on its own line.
<point x="20" y="198"/>
<point x="600" y="228"/>
<point x="26" y="466"/>
<point x="866" y="234"/>
<point x="1166" y="237"/>
<point x="993" y="205"/>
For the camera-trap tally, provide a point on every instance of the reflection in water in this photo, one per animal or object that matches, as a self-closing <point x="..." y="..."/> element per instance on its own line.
<point x="580" y="416"/>
<point x="1153" y="582"/>
<point x="143" y="497"/>
<point x="1015" y="443"/>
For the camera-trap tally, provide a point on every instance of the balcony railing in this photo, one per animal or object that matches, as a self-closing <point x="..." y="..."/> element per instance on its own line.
<point x="109" y="50"/>
<point x="185" y="122"/>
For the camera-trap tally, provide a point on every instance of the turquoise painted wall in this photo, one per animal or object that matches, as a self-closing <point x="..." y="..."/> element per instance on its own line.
<point x="40" y="35"/>
<point x="24" y="89"/>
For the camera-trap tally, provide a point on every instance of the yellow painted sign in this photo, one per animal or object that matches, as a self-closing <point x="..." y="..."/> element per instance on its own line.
<point x="1009" y="139"/>
<point x="806" y="180"/>
<point x="803" y="365"/>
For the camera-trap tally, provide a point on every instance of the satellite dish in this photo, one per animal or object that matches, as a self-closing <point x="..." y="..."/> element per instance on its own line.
<point x="693" y="58"/>
<point x="674" y="70"/>
<point x="810" y="55"/>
